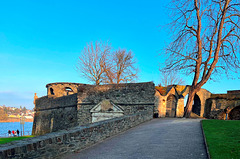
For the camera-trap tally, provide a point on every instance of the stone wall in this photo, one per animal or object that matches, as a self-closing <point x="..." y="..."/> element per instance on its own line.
<point x="166" y="107"/>
<point x="56" y="144"/>
<point x="54" y="113"/>
<point x="132" y="97"/>
<point x="216" y="107"/>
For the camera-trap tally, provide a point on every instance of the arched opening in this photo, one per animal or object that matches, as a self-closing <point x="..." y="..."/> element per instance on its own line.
<point x="185" y="100"/>
<point x="196" y="105"/>
<point x="51" y="91"/>
<point x="171" y="106"/>
<point x="68" y="90"/>
<point x="235" y="113"/>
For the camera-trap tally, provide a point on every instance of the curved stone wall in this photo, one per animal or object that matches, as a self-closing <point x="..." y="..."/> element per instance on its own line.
<point x="62" y="88"/>
<point x="54" y="113"/>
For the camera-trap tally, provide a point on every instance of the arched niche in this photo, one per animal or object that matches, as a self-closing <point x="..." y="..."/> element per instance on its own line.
<point x="196" y="108"/>
<point x="171" y="106"/>
<point x="235" y="113"/>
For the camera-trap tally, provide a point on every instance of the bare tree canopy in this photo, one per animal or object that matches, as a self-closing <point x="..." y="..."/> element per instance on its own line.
<point x="123" y="68"/>
<point x="92" y="61"/>
<point x="170" y="78"/>
<point x="205" y="40"/>
<point x="100" y="64"/>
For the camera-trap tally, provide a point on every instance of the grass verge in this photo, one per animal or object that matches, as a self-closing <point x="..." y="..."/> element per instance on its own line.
<point x="9" y="139"/>
<point x="223" y="138"/>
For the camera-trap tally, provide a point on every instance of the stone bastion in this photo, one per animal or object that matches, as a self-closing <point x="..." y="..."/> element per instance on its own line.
<point x="71" y="104"/>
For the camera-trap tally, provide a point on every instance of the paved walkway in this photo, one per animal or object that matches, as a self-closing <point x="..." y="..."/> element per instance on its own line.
<point x="168" y="138"/>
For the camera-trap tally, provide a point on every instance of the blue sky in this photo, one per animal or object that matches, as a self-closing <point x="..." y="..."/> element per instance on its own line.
<point x="40" y="42"/>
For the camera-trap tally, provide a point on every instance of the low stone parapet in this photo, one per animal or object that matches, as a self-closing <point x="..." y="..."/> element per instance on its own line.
<point x="56" y="144"/>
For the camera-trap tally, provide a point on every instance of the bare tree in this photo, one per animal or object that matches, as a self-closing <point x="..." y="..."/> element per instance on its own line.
<point x="122" y="69"/>
<point x="93" y="60"/>
<point x="99" y="64"/>
<point x="170" y="78"/>
<point x="206" y="40"/>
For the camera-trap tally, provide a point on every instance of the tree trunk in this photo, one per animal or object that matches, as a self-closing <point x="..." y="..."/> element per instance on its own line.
<point x="97" y="81"/>
<point x="189" y="105"/>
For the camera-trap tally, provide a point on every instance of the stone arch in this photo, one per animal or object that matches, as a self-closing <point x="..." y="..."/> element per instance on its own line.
<point x="171" y="106"/>
<point x="181" y="93"/>
<point x="203" y="95"/>
<point x="68" y="90"/>
<point x="196" y="105"/>
<point x="234" y="114"/>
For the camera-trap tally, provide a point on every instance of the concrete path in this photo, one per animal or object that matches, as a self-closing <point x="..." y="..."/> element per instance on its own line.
<point x="168" y="138"/>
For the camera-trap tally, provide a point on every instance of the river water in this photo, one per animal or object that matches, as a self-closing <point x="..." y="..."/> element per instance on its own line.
<point x="4" y="127"/>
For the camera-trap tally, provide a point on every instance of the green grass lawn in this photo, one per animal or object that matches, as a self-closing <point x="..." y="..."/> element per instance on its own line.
<point x="223" y="138"/>
<point x="9" y="139"/>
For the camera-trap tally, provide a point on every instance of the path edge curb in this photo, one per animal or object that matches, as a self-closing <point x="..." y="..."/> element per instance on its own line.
<point x="205" y="141"/>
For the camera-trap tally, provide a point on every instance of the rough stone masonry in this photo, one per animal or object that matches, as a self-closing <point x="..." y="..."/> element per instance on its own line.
<point x="56" y="144"/>
<point x="70" y="104"/>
